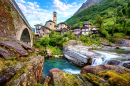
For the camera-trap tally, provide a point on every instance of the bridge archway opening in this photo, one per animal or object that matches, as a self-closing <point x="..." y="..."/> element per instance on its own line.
<point x="25" y="37"/>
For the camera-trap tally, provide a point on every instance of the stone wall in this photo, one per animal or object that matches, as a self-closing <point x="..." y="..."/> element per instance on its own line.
<point x="19" y="23"/>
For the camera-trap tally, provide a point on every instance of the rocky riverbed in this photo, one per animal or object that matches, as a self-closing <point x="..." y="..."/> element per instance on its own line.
<point x="82" y="55"/>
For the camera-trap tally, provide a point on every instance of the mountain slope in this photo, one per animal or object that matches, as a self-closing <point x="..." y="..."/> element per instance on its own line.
<point x="87" y="4"/>
<point x="105" y="9"/>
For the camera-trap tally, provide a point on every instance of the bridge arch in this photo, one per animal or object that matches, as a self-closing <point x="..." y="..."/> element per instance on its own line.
<point x="25" y="36"/>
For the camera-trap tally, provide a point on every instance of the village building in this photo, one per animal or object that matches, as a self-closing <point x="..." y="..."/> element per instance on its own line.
<point x="41" y="31"/>
<point x="62" y="31"/>
<point x="94" y="31"/>
<point x="86" y="29"/>
<point x="76" y="30"/>
<point x="62" y="25"/>
<point x="37" y="29"/>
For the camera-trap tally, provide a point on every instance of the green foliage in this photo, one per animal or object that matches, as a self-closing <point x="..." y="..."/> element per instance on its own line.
<point x="55" y="51"/>
<point x="40" y="84"/>
<point x="120" y="14"/>
<point x="71" y="36"/>
<point x="37" y="44"/>
<point x="99" y="20"/>
<point x="84" y="39"/>
<point x="110" y="15"/>
<point x="128" y="12"/>
<point x="119" y="35"/>
<point x="105" y="34"/>
<point x="45" y="41"/>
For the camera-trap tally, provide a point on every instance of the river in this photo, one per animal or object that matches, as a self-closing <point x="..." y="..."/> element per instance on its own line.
<point x="62" y="64"/>
<point x="66" y="66"/>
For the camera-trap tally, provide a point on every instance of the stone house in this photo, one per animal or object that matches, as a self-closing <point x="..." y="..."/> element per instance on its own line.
<point x="62" y="25"/>
<point x="37" y="29"/>
<point x="76" y="30"/>
<point x="45" y="31"/>
<point x="62" y="31"/>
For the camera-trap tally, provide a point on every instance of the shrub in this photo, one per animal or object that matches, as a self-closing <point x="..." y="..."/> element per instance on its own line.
<point x="55" y="51"/>
<point x="84" y="39"/>
<point x="105" y="34"/>
<point x="37" y="44"/>
<point x="45" y="41"/>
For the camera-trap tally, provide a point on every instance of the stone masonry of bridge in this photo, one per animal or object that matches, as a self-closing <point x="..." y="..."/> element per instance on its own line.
<point x="23" y="30"/>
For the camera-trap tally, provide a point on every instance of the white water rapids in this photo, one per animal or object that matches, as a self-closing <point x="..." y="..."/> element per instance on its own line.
<point x="105" y="57"/>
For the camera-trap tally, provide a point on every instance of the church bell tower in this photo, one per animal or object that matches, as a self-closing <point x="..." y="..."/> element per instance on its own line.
<point x="55" y="17"/>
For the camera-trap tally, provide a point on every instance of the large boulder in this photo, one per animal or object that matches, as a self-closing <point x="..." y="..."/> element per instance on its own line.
<point x="5" y="54"/>
<point x="98" y="69"/>
<point x="125" y="64"/>
<point x="15" y="47"/>
<point x="114" y="62"/>
<point x="60" y="78"/>
<point x="115" y="75"/>
<point x="77" y="53"/>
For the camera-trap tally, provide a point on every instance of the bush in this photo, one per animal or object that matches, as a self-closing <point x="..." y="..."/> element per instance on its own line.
<point x="45" y="41"/>
<point x="55" y="51"/>
<point x="118" y="35"/>
<point x="105" y="34"/>
<point x="84" y="39"/>
<point x="37" y="44"/>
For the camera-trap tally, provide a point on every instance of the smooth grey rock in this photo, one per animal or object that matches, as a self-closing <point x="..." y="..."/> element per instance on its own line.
<point x="5" y="54"/>
<point x="12" y="45"/>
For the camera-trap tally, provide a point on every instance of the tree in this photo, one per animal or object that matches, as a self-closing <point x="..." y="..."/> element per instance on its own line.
<point x="45" y="41"/>
<point x="128" y="12"/>
<point x="99" y="20"/>
<point x="120" y="14"/>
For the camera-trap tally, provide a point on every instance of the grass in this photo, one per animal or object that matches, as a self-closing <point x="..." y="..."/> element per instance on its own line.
<point x="55" y="51"/>
<point x="109" y="21"/>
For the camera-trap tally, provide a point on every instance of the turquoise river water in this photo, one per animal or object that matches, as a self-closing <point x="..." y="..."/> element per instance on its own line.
<point x="61" y="64"/>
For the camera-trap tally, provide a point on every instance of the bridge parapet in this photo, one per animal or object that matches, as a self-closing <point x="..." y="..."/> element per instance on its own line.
<point x="22" y="27"/>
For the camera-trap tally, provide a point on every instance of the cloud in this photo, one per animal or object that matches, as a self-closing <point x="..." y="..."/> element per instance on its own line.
<point x="65" y="9"/>
<point x="22" y="1"/>
<point x="33" y="12"/>
<point x="36" y="14"/>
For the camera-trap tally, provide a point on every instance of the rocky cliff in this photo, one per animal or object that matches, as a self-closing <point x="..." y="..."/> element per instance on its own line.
<point x="19" y="65"/>
<point x="87" y="4"/>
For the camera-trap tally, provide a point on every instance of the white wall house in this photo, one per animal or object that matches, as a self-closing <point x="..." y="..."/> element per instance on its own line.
<point x="76" y="30"/>
<point x="62" y="25"/>
<point x="86" y="29"/>
<point x="37" y="29"/>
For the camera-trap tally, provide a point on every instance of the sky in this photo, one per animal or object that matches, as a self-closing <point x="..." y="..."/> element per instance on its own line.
<point x="40" y="11"/>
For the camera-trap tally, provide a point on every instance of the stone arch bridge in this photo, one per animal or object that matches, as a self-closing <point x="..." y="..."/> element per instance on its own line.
<point x="22" y="27"/>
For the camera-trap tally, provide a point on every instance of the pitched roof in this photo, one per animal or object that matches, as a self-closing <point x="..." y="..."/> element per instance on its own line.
<point x="58" y="30"/>
<point x="84" y="27"/>
<point x="94" y="29"/>
<point x="45" y="27"/>
<point x="38" y="25"/>
<point x="54" y="12"/>
<point x="50" y="21"/>
<point x="62" y="23"/>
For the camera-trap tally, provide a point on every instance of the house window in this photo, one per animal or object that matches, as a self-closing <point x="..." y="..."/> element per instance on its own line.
<point x="50" y="23"/>
<point x="37" y="27"/>
<point x="37" y="30"/>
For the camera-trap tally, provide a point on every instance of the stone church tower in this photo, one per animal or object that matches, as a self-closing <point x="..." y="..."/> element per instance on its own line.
<point x="55" y="17"/>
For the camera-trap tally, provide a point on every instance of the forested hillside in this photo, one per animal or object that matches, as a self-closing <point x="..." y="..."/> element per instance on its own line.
<point x="114" y="16"/>
<point x="87" y="4"/>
